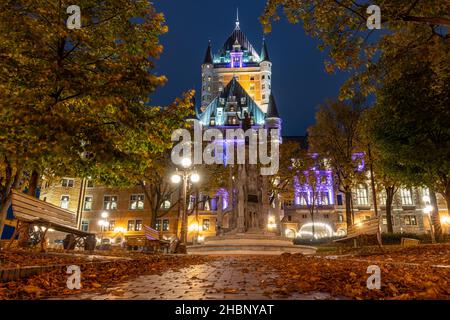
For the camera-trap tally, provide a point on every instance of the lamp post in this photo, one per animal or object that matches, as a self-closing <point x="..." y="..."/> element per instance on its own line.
<point x="184" y="175"/>
<point x="103" y="223"/>
<point x="427" y="210"/>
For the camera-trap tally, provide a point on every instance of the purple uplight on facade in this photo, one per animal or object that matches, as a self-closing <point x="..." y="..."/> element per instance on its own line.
<point x="224" y="193"/>
<point x="359" y="157"/>
<point x="236" y="59"/>
<point x="324" y="189"/>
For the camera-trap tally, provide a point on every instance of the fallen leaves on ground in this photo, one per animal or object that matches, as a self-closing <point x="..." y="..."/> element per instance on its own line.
<point x="95" y="277"/>
<point x="347" y="278"/>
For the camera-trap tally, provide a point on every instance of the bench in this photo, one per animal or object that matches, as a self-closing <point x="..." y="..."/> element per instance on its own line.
<point x="42" y="216"/>
<point x="152" y="239"/>
<point x="365" y="228"/>
<point x="408" y="242"/>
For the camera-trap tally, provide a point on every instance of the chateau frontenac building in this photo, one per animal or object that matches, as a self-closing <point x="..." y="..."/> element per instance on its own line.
<point x="236" y="92"/>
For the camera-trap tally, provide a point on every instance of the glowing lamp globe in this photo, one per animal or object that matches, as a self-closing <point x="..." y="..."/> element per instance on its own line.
<point x="176" y="179"/>
<point x="186" y="162"/>
<point x="195" y="178"/>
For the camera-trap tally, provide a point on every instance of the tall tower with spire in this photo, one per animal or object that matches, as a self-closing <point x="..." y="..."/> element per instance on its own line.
<point x="237" y="59"/>
<point x="237" y="93"/>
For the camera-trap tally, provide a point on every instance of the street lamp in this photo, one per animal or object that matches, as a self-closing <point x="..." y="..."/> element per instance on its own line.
<point x="184" y="175"/>
<point x="427" y="210"/>
<point x="103" y="223"/>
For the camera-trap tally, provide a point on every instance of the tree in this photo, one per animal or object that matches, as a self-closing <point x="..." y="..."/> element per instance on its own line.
<point x="156" y="184"/>
<point x="282" y="183"/>
<point x="410" y="127"/>
<point x="308" y="181"/>
<point x="78" y="101"/>
<point x="335" y="137"/>
<point x="372" y="55"/>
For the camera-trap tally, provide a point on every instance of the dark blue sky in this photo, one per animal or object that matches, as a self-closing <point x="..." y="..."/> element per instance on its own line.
<point x="299" y="81"/>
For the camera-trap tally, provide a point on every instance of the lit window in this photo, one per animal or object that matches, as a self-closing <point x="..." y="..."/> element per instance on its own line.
<point x="340" y="218"/>
<point x="383" y="197"/>
<point x="303" y="199"/>
<point x="110" y="202"/>
<point x="138" y="225"/>
<point x="67" y="183"/>
<point x="136" y="202"/>
<point x="191" y="202"/>
<point x="165" y="225"/>
<point x="166" y="204"/>
<point x="410" y="220"/>
<point x="88" y="203"/>
<point x="65" y="202"/>
<point x="205" y="226"/>
<point x="158" y="225"/>
<point x="112" y="225"/>
<point x="131" y="224"/>
<point x="263" y="86"/>
<point x="406" y="197"/>
<point x="85" y="226"/>
<point x="324" y="198"/>
<point x="362" y="196"/>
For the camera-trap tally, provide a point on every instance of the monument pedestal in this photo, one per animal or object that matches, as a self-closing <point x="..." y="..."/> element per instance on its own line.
<point x="261" y="243"/>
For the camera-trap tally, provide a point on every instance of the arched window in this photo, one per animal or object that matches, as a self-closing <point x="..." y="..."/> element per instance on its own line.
<point x="166" y="204"/>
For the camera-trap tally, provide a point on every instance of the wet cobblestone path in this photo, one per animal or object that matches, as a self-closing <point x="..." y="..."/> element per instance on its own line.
<point x="225" y="278"/>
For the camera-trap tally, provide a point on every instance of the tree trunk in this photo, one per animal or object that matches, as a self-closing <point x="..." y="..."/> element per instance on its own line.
<point x="389" y="199"/>
<point x="13" y="183"/>
<point x="348" y="208"/>
<point x="435" y="219"/>
<point x="33" y="184"/>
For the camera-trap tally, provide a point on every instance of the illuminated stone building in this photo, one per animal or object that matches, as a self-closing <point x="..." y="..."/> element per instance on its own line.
<point x="237" y="58"/>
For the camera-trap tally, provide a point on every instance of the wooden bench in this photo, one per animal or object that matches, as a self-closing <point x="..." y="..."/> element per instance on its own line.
<point x="152" y="239"/>
<point x="42" y="216"/>
<point x="365" y="228"/>
<point x="408" y="242"/>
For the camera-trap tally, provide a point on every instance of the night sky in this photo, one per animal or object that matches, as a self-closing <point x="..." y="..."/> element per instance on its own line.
<point x="299" y="81"/>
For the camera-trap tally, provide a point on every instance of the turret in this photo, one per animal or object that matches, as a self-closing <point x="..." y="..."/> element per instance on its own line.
<point x="266" y="77"/>
<point x="273" y="120"/>
<point x="207" y="78"/>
